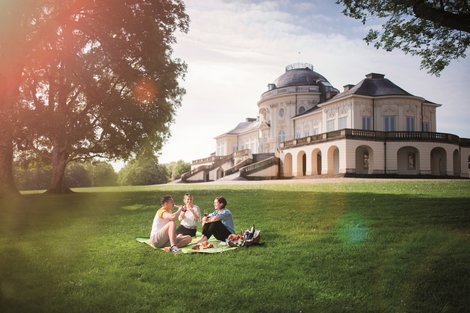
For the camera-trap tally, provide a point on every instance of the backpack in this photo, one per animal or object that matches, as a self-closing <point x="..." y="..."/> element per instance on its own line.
<point x="246" y="238"/>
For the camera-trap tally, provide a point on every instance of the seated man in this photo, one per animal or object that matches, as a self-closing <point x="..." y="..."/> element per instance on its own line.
<point x="163" y="232"/>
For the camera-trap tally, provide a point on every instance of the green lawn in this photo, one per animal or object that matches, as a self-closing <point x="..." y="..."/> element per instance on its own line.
<point x="389" y="246"/>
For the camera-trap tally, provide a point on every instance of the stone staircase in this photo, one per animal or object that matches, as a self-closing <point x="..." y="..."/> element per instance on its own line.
<point x="205" y="168"/>
<point x="245" y="169"/>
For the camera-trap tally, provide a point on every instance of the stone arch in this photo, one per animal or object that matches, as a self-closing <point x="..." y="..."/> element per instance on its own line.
<point x="364" y="160"/>
<point x="287" y="165"/>
<point x="220" y="173"/>
<point x="408" y="161"/>
<point x="316" y="162"/>
<point x="456" y="159"/>
<point x="301" y="163"/>
<point x="466" y="165"/>
<point x="438" y="162"/>
<point x="333" y="160"/>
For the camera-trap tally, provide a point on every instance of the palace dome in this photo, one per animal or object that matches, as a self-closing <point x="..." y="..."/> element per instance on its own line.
<point x="298" y="74"/>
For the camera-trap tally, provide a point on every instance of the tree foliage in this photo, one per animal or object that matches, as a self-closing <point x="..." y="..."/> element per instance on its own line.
<point x="143" y="171"/>
<point x="176" y="168"/>
<point x="77" y="175"/>
<point x="102" y="174"/>
<point x="436" y="31"/>
<point x="101" y="83"/>
<point x="32" y="176"/>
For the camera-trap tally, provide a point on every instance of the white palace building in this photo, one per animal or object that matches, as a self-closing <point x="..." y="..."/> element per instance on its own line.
<point x="308" y="128"/>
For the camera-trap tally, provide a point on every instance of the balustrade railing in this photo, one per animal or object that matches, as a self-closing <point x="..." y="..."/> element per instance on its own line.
<point x="241" y="153"/>
<point x="252" y="168"/>
<point x="218" y="161"/>
<point x="287" y="90"/>
<point x="208" y="159"/>
<point x="237" y="167"/>
<point x="377" y="135"/>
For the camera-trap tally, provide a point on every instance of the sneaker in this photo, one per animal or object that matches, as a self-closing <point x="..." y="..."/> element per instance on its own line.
<point x="175" y="249"/>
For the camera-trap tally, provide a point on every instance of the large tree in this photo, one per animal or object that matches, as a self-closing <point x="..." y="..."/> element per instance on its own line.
<point x="110" y="87"/>
<point x="438" y="31"/>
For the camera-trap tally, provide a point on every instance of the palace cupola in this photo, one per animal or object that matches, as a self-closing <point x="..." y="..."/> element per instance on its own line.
<point x="301" y="78"/>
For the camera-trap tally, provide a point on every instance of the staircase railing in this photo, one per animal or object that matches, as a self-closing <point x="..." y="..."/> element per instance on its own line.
<point x="237" y="167"/>
<point x="206" y="168"/>
<point x="258" y="166"/>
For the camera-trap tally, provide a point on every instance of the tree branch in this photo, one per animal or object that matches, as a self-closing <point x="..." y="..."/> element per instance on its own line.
<point x="441" y="17"/>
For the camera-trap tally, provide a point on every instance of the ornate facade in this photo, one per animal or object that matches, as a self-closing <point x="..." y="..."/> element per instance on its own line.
<point x="306" y="127"/>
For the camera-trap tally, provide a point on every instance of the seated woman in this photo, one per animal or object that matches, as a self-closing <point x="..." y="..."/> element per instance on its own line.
<point x="219" y="223"/>
<point x="189" y="217"/>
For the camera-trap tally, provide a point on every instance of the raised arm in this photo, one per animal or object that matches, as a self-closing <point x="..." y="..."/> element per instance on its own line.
<point x="171" y="216"/>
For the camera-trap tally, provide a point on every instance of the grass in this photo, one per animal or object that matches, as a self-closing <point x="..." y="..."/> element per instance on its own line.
<point x="390" y="246"/>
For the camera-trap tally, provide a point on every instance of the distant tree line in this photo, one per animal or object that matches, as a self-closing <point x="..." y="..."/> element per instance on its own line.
<point x="36" y="175"/>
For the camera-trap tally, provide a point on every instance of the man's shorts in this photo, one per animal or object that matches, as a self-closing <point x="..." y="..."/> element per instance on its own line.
<point x="162" y="239"/>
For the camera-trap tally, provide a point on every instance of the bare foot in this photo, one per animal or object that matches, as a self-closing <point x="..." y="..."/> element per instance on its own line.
<point x="203" y="239"/>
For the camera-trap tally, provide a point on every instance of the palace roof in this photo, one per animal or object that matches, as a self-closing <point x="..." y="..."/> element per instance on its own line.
<point x="248" y="125"/>
<point x="374" y="85"/>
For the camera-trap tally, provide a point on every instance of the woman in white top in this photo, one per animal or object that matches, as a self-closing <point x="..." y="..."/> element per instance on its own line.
<point x="190" y="215"/>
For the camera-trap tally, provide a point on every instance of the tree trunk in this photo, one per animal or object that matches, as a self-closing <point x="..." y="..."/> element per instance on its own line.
<point x="59" y="162"/>
<point x="7" y="183"/>
<point x="9" y="84"/>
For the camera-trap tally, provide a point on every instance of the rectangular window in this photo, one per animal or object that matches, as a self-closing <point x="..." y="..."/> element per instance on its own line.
<point x="426" y="127"/>
<point x="410" y="123"/>
<point x="330" y="125"/>
<point x="366" y="123"/>
<point x="342" y="122"/>
<point x="389" y="123"/>
<point x="221" y="149"/>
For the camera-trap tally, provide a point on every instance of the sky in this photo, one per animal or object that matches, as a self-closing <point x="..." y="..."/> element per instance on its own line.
<point x="235" y="48"/>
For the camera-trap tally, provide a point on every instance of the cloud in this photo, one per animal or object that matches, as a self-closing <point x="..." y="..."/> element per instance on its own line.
<point x="235" y="48"/>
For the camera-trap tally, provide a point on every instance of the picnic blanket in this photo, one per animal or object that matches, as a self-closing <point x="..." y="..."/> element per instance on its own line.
<point x="218" y="245"/>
